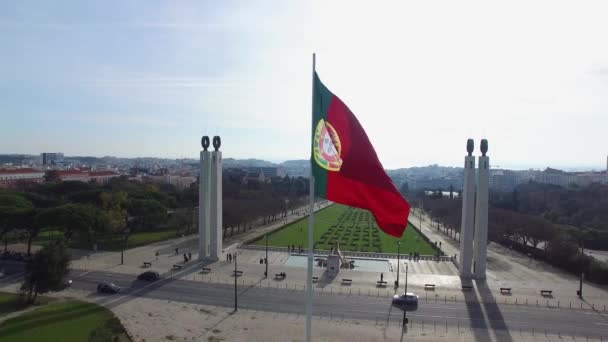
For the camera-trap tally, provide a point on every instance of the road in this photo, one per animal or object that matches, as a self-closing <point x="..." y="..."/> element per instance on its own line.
<point x="438" y="315"/>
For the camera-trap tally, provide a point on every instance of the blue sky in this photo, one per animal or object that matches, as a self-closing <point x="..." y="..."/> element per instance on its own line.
<point x="148" y="78"/>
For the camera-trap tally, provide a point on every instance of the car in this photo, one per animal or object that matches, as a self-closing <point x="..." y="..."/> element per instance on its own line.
<point x="149" y="276"/>
<point x="409" y="299"/>
<point x="109" y="288"/>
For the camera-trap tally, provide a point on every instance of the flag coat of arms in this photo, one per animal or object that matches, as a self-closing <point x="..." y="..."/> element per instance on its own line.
<point x="345" y="165"/>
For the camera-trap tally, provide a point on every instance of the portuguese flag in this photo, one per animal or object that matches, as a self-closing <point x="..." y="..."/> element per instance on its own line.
<point x="345" y="166"/>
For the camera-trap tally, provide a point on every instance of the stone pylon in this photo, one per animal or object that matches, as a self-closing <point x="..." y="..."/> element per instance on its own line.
<point x="215" y="226"/>
<point x="468" y="213"/>
<point x="204" y="200"/>
<point x="210" y="201"/>
<point x="481" y="213"/>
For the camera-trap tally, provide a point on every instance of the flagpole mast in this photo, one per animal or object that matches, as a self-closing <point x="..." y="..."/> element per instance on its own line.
<point x="311" y="195"/>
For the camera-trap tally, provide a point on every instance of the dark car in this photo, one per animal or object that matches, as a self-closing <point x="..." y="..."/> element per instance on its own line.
<point x="407" y="299"/>
<point x="149" y="276"/>
<point x="109" y="288"/>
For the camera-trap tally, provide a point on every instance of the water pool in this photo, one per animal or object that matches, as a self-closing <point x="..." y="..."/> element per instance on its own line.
<point x="367" y="265"/>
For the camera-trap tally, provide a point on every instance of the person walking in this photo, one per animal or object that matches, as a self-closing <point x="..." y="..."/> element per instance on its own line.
<point x="189" y="256"/>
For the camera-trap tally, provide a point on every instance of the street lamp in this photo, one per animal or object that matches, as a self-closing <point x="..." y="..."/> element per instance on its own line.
<point x="405" y="320"/>
<point x="124" y="246"/>
<point x="266" y="259"/>
<point x="235" y="273"/>
<point x="580" y="286"/>
<point x="398" y="258"/>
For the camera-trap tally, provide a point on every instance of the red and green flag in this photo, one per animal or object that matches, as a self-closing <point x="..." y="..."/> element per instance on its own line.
<point x="346" y="167"/>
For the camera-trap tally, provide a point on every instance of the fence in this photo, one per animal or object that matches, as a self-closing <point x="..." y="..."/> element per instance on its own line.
<point x="370" y="255"/>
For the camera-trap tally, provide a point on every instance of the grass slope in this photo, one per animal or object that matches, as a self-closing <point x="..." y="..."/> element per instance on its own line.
<point x="10" y="302"/>
<point x="355" y="229"/>
<point x="66" y="322"/>
<point x="110" y="242"/>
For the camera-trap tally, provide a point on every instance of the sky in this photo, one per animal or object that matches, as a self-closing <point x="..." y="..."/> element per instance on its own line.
<point x="149" y="78"/>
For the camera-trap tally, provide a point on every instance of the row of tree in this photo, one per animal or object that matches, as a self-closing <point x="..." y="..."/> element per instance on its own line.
<point x="542" y="220"/>
<point x="84" y="212"/>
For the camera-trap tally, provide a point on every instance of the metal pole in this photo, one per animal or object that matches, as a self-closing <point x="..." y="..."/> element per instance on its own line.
<point x="311" y="195"/>
<point x="405" y="320"/>
<point x="398" y="262"/>
<point x="122" y="250"/>
<point x="266" y="260"/>
<point x="580" y="286"/>
<point x="406" y="269"/>
<point x="235" y="296"/>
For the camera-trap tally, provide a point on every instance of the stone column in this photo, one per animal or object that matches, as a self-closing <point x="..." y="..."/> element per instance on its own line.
<point x="215" y="226"/>
<point x="204" y="200"/>
<point x="468" y="213"/>
<point x="481" y="213"/>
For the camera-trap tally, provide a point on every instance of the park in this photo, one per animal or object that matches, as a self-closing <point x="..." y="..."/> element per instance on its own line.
<point x="352" y="229"/>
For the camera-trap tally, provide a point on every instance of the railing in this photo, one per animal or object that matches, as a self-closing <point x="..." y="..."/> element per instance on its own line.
<point x="370" y="255"/>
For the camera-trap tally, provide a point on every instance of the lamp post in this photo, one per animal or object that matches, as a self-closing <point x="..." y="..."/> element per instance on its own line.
<point x="266" y="259"/>
<point x="580" y="286"/>
<point x="405" y="320"/>
<point x="124" y="246"/>
<point x="398" y="262"/>
<point x="235" y="297"/>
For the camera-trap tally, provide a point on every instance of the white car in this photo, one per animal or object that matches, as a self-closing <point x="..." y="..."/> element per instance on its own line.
<point x="405" y="299"/>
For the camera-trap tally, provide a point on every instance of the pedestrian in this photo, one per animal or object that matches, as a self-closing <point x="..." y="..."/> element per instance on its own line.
<point x="381" y="277"/>
<point x="185" y="258"/>
<point x="229" y="257"/>
<point x="189" y="256"/>
<point x="156" y="254"/>
<point x="176" y="251"/>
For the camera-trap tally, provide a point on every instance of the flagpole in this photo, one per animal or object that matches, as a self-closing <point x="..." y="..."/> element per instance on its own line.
<point x="311" y="211"/>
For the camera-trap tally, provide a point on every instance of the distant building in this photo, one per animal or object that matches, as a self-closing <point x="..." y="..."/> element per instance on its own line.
<point x="102" y="177"/>
<point x="11" y="177"/>
<point x="556" y="177"/>
<point x="502" y="180"/>
<point x="268" y="171"/>
<point x="179" y="181"/>
<point x="51" y="158"/>
<point x="587" y="178"/>
<point x="442" y="183"/>
<point x="73" y="175"/>
<point x="255" y="177"/>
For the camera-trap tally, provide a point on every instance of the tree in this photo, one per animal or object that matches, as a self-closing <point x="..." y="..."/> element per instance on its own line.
<point x="404" y="188"/>
<point x="51" y="176"/>
<point x="114" y="205"/>
<point x="15" y="213"/>
<point x="45" y="271"/>
<point x="85" y="220"/>
<point x="146" y="212"/>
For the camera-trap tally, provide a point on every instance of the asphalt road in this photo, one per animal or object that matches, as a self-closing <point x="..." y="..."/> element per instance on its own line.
<point x="438" y="315"/>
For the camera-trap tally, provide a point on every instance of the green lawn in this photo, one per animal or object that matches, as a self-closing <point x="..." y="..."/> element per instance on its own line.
<point x="110" y="242"/>
<point x="66" y="322"/>
<point x="10" y="302"/>
<point x="355" y="230"/>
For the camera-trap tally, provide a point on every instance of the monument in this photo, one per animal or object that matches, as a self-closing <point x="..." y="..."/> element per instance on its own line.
<point x="210" y="201"/>
<point x="481" y="213"/>
<point x="474" y="224"/>
<point x="468" y="202"/>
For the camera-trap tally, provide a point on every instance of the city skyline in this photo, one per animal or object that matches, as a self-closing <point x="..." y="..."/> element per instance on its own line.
<point x="129" y="80"/>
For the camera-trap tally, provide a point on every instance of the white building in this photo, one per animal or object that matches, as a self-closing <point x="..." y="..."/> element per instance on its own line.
<point x="11" y="177"/>
<point x="556" y="177"/>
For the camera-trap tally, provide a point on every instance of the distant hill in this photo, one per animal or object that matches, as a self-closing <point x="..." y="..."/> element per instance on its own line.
<point x="231" y="162"/>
